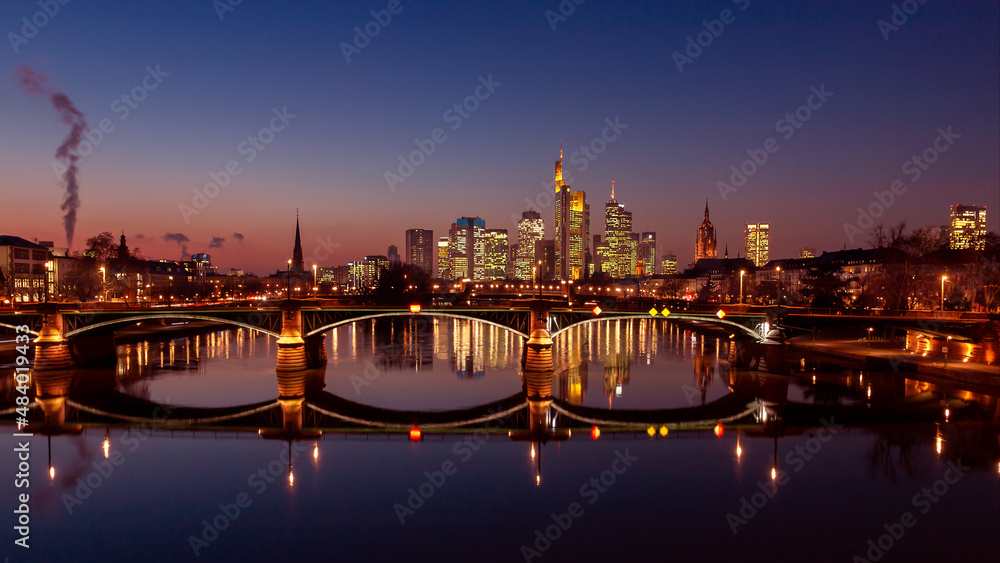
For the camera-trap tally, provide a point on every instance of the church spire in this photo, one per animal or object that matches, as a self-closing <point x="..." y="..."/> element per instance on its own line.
<point x="297" y="264"/>
<point x="706" y="209"/>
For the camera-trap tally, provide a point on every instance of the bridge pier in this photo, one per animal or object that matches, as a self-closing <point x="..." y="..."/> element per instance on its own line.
<point x="316" y="350"/>
<point x="51" y="350"/>
<point x="291" y="346"/>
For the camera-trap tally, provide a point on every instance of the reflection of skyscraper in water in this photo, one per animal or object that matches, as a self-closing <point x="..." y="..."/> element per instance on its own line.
<point x="617" y="368"/>
<point x="572" y="373"/>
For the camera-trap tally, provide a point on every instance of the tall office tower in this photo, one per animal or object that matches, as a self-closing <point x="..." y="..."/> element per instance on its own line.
<point x="758" y="242"/>
<point x="562" y="205"/>
<point x="668" y="263"/>
<point x="530" y="229"/>
<point x="968" y="226"/>
<point x="579" y="236"/>
<point x="393" y="254"/>
<point x="466" y="248"/>
<point x="444" y="260"/>
<point x="807" y="252"/>
<point x="496" y="251"/>
<point x="645" y="253"/>
<point x="420" y="249"/>
<point x="372" y="268"/>
<point x="618" y="260"/>
<point x="704" y="246"/>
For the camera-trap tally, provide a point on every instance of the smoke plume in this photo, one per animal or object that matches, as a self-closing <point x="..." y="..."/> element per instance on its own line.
<point x="238" y="236"/>
<point x="217" y="242"/>
<point x="66" y="154"/>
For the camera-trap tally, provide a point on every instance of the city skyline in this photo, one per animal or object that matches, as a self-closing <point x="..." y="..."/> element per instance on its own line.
<point x="668" y="157"/>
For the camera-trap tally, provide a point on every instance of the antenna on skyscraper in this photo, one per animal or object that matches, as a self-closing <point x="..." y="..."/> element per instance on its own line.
<point x="560" y="149"/>
<point x="612" y="189"/>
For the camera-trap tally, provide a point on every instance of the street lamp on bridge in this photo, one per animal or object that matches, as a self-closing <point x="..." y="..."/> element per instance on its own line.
<point x="742" y="273"/>
<point x="288" y="278"/>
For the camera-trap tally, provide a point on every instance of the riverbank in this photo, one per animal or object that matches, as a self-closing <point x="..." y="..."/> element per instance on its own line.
<point x="887" y="356"/>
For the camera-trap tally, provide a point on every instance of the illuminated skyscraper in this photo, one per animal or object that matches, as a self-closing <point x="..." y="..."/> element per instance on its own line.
<point x="420" y="249"/>
<point x="968" y="226"/>
<point x="562" y="219"/>
<point x="704" y="246"/>
<point x="757" y="243"/>
<point x="807" y="252"/>
<point x="579" y="236"/>
<point x="444" y="261"/>
<point x="645" y="254"/>
<point x="496" y="251"/>
<point x="572" y="230"/>
<point x="466" y="248"/>
<point x="530" y="230"/>
<point x="618" y="259"/>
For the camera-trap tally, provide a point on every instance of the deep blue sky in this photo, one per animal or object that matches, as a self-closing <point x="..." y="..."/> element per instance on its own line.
<point x="607" y="59"/>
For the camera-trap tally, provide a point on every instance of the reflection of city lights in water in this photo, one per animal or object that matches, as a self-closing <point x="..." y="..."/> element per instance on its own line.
<point x="774" y="473"/>
<point x="107" y="447"/>
<point x="316" y="451"/>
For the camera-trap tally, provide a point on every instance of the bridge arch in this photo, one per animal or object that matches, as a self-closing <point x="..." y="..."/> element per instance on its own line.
<point x="14" y="328"/>
<point x="157" y="316"/>
<point x="735" y="327"/>
<point x="445" y="314"/>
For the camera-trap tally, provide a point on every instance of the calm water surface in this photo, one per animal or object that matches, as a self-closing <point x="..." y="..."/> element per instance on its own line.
<point x="688" y="496"/>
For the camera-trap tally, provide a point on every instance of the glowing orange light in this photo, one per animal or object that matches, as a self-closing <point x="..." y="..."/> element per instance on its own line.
<point x="651" y="431"/>
<point x="415" y="308"/>
<point x="774" y="473"/>
<point x="595" y="433"/>
<point x="316" y="451"/>
<point x="721" y="314"/>
<point x="414" y="433"/>
<point x="597" y="311"/>
<point x="107" y="447"/>
<point x="52" y="472"/>
<point x="291" y="479"/>
<point x="718" y="430"/>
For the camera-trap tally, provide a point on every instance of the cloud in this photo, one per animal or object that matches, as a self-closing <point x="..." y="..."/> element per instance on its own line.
<point x="179" y="238"/>
<point x="238" y="236"/>
<point x="216" y="242"/>
<point x="140" y="236"/>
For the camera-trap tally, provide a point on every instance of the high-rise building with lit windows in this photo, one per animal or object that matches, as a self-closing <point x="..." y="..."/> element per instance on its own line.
<point x="420" y="249"/>
<point x="496" y="250"/>
<point x="444" y="261"/>
<point x="572" y="229"/>
<point x="619" y="247"/>
<point x="645" y="254"/>
<point x="758" y="243"/>
<point x="530" y="230"/>
<point x="466" y="248"/>
<point x="967" y="227"/>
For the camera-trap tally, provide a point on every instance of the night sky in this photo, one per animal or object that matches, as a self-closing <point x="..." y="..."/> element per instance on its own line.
<point x="220" y="80"/>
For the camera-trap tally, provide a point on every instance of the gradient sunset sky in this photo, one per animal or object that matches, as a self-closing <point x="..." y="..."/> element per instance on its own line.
<point x="606" y="60"/>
